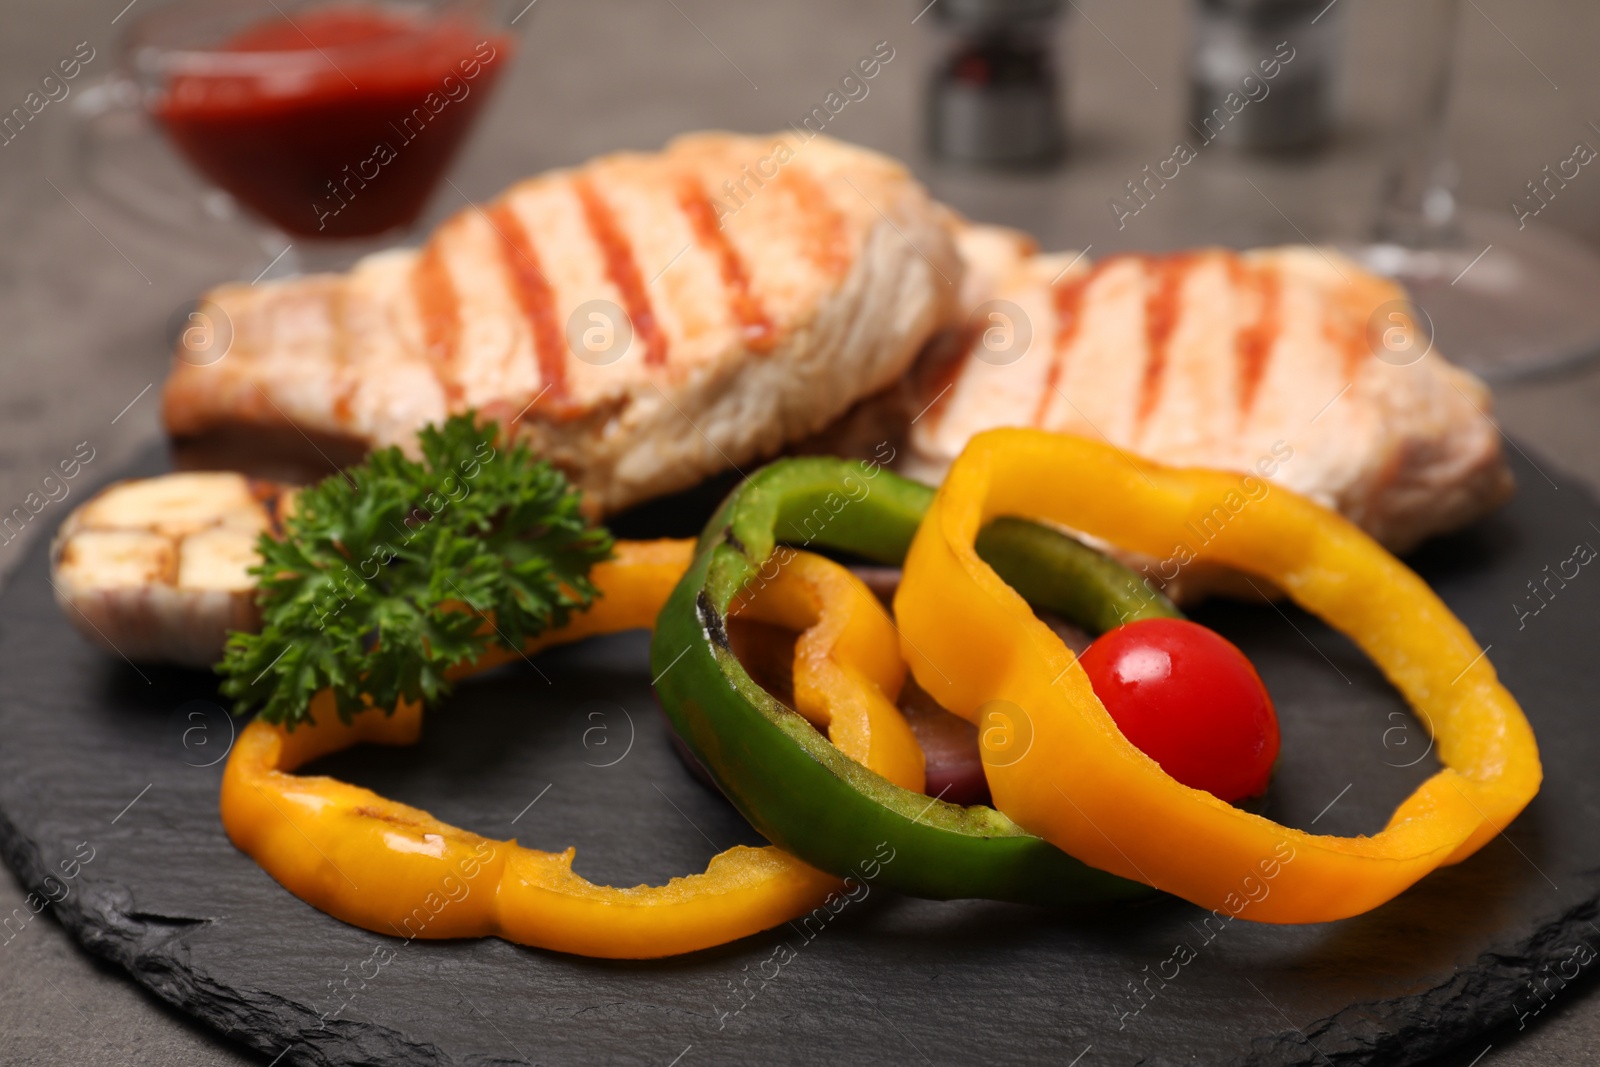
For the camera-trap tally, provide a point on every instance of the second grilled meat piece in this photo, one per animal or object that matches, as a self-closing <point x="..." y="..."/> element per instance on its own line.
<point x="1266" y="362"/>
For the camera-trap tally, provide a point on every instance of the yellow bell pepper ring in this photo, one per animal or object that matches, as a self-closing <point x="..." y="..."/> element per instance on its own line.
<point x="847" y="666"/>
<point x="395" y="869"/>
<point x="1057" y="764"/>
<point x="391" y="868"/>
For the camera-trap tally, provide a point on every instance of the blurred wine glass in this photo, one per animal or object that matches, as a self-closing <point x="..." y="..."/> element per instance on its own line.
<point x="319" y="128"/>
<point x="1504" y="295"/>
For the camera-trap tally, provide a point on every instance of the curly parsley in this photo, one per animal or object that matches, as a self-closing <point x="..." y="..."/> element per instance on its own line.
<point x="363" y="593"/>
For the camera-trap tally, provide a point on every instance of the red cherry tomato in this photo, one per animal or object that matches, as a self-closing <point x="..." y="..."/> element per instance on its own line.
<point x="1191" y="701"/>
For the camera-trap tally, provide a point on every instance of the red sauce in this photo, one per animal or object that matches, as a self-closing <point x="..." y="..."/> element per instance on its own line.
<point x="756" y="328"/>
<point x="1069" y="313"/>
<point x="440" y="311"/>
<point x="622" y="270"/>
<point x="1160" y="319"/>
<point x="340" y="122"/>
<point x="1253" y="345"/>
<point x="534" y="296"/>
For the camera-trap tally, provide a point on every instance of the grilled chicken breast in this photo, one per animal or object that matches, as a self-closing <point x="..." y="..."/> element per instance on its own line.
<point x="644" y="320"/>
<point x="157" y="569"/>
<point x="1260" y="362"/>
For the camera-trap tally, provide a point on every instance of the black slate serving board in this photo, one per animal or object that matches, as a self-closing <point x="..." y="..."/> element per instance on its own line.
<point x="119" y="764"/>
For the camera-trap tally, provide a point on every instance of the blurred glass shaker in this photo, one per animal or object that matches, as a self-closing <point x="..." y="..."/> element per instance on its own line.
<point x="1262" y="72"/>
<point x="994" y="98"/>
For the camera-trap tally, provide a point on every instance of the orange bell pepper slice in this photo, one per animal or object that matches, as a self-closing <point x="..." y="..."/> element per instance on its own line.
<point x="1056" y="762"/>
<point x="392" y="868"/>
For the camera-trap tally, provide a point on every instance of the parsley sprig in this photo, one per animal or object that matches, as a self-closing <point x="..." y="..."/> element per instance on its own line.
<point x="363" y="592"/>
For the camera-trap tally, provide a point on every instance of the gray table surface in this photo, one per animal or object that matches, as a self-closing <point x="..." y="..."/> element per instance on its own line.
<point x="85" y="296"/>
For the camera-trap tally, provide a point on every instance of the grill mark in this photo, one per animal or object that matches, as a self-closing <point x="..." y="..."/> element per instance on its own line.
<point x="440" y="311"/>
<point x="754" y="326"/>
<point x="344" y="402"/>
<point x="1344" y="325"/>
<point x="1160" y="319"/>
<point x="367" y="812"/>
<point x="1068" y="299"/>
<point x="821" y="222"/>
<point x="534" y="296"/>
<point x="621" y="269"/>
<point x="716" y="628"/>
<point x="171" y="560"/>
<point x="275" y="500"/>
<point x="1253" y="344"/>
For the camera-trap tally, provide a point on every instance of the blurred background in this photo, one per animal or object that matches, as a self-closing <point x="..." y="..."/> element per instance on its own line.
<point x="1030" y="113"/>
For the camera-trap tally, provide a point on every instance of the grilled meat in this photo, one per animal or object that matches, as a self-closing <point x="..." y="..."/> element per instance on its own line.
<point x="644" y="320"/>
<point x="1260" y="361"/>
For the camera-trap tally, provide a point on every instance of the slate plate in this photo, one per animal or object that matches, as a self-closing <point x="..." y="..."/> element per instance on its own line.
<point x="121" y="765"/>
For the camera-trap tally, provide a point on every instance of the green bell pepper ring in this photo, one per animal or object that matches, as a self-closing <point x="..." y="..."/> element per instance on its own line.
<point x="787" y="779"/>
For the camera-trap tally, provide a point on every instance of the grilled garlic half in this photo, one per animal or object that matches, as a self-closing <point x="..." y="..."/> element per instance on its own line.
<point x="157" y="569"/>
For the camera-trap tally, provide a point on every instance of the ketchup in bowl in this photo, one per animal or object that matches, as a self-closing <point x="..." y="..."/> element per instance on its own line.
<point x="334" y="121"/>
